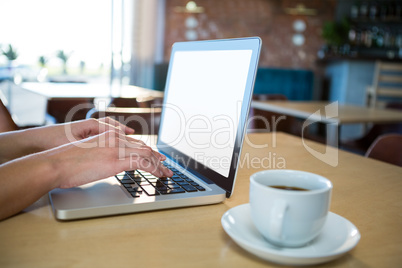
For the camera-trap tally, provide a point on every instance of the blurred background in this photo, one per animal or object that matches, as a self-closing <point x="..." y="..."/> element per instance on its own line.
<point x="311" y="49"/>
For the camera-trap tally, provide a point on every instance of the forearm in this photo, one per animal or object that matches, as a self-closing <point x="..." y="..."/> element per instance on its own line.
<point x="20" y="143"/>
<point x="16" y="144"/>
<point x="24" y="181"/>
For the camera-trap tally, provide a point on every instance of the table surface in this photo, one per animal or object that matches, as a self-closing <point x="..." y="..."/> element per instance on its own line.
<point x="78" y="90"/>
<point x="344" y="114"/>
<point x="366" y="192"/>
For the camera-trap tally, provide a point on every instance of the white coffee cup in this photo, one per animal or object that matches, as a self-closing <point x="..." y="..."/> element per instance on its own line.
<point x="289" y="218"/>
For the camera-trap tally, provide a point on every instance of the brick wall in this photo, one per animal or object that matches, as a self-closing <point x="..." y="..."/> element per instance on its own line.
<point x="264" y="18"/>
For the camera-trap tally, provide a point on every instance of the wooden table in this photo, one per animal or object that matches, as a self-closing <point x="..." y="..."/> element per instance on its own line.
<point x="333" y="115"/>
<point x="366" y="192"/>
<point x="80" y="91"/>
<point x="60" y="98"/>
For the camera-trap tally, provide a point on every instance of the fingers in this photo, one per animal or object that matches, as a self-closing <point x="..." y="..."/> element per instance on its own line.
<point x="131" y="139"/>
<point x="91" y="127"/>
<point x="144" y="159"/>
<point x="116" y="124"/>
<point x="135" y="154"/>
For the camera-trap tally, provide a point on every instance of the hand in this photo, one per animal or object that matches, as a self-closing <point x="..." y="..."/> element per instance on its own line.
<point x="78" y="130"/>
<point x="102" y="156"/>
<point x="15" y="144"/>
<point x="106" y="152"/>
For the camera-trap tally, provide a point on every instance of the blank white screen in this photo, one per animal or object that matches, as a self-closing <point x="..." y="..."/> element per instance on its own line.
<point x="203" y="105"/>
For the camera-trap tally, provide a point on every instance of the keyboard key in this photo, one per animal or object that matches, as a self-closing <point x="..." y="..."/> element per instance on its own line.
<point x="151" y="185"/>
<point x="161" y="188"/>
<point x="136" y="177"/>
<point x="132" y="173"/>
<point x="173" y="191"/>
<point x="189" y="188"/>
<point x="144" y="183"/>
<point x="183" y="183"/>
<point x="133" y="176"/>
<point x="135" y="194"/>
<point x="158" y="184"/>
<point x="168" y="182"/>
<point x="150" y="190"/>
<point x="140" y="180"/>
<point x="122" y="175"/>
<point x="128" y="181"/>
<point x="135" y="189"/>
<point x="174" y="186"/>
<point x="200" y="188"/>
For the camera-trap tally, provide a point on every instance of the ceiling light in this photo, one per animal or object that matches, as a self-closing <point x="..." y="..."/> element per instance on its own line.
<point x="300" y="9"/>
<point x="191" y="7"/>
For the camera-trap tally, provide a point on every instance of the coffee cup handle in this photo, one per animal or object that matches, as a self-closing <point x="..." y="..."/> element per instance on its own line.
<point x="277" y="217"/>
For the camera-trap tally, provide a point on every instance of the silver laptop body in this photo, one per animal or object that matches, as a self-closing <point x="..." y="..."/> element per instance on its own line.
<point x="207" y="97"/>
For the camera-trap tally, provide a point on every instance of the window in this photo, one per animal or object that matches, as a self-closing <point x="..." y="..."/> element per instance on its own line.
<point x="79" y="30"/>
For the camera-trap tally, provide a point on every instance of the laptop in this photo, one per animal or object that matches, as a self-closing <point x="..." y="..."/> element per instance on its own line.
<point x="203" y="123"/>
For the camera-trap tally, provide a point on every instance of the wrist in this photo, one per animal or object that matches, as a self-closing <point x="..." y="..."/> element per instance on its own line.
<point x="57" y="165"/>
<point x="46" y="169"/>
<point x="47" y="137"/>
<point x="23" y="182"/>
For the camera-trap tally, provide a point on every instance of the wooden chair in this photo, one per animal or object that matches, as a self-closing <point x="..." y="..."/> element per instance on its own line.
<point x="140" y="102"/>
<point x="124" y="102"/>
<point x="149" y="101"/>
<point x="387" y="148"/>
<point x="387" y="83"/>
<point x="60" y="109"/>
<point x="143" y="120"/>
<point x="143" y="113"/>
<point x="361" y="145"/>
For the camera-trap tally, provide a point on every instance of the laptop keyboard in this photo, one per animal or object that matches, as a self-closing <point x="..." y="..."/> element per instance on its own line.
<point x="138" y="183"/>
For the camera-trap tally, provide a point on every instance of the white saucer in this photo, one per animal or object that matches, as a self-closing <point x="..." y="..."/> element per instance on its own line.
<point x="338" y="237"/>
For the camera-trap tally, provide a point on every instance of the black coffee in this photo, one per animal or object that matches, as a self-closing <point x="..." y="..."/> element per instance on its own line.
<point x="289" y="188"/>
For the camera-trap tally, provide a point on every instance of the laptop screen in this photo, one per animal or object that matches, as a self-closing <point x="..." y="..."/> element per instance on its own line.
<point x="204" y="101"/>
<point x="201" y="117"/>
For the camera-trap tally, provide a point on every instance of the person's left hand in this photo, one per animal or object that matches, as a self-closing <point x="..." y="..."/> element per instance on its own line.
<point x="56" y="135"/>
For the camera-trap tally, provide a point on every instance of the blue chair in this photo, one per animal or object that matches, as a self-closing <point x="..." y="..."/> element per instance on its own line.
<point x="294" y="84"/>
